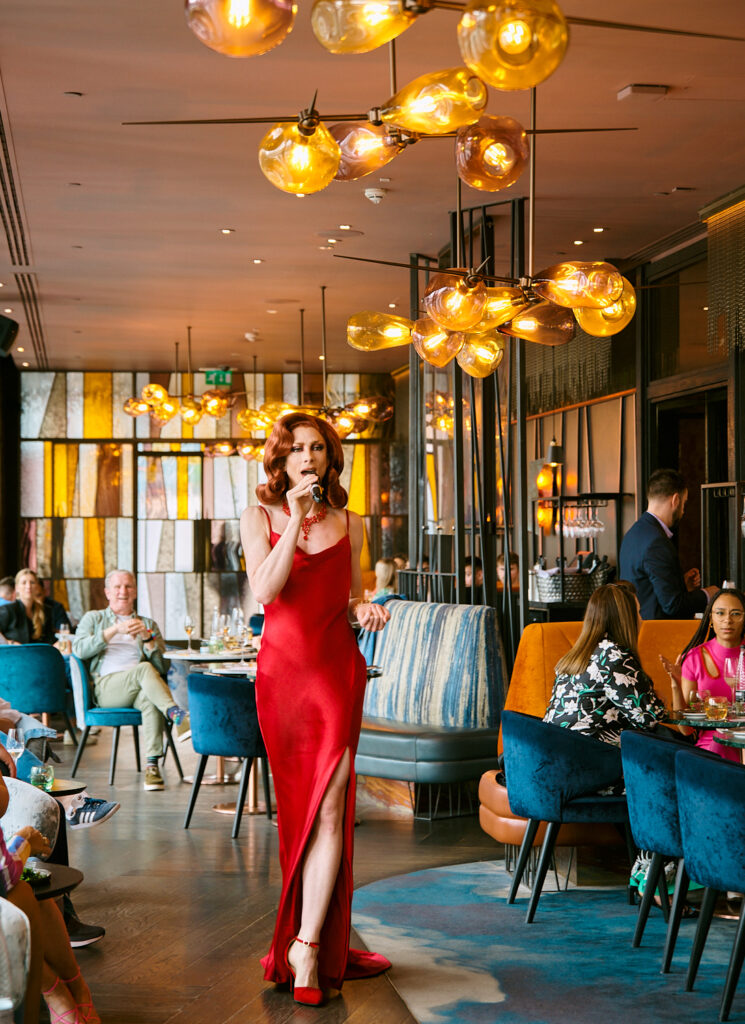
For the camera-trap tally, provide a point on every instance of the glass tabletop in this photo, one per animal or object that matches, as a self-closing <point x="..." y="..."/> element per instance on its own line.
<point x="732" y="737"/>
<point x="702" y="722"/>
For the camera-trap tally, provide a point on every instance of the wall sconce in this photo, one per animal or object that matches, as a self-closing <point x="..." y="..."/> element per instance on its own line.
<point x="555" y="456"/>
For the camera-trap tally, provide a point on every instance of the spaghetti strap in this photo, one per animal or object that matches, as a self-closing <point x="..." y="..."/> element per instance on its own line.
<point x="347" y="512"/>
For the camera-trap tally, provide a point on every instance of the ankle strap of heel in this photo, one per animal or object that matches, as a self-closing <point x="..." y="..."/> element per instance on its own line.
<point x="305" y="942"/>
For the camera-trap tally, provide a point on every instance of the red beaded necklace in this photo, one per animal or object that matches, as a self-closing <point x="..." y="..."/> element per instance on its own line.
<point x="309" y="520"/>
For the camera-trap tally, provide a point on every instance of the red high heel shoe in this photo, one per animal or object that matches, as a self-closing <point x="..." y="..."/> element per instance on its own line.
<point x="303" y="994"/>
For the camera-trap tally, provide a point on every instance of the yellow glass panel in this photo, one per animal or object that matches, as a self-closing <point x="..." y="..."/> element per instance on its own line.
<point x="61" y="506"/>
<point x="432" y="481"/>
<point x="358" y="496"/>
<point x="73" y="487"/>
<point x="59" y="592"/>
<point x="48" y="478"/>
<point x="182" y="488"/>
<point x="94" y="548"/>
<point x="273" y="390"/>
<point x="97" y="398"/>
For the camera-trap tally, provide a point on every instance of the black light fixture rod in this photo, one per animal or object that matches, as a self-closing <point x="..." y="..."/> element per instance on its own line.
<point x="459" y="222"/>
<point x="188" y="354"/>
<point x="176" y="380"/>
<point x="531" y="199"/>
<point x="392" y="56"/>
<point x="253" y="399"/>
<point x="323" y="340"/>
<point x="302" y="356"/>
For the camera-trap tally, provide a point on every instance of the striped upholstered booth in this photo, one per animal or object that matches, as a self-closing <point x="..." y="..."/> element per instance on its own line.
<point x="433" y="714"/>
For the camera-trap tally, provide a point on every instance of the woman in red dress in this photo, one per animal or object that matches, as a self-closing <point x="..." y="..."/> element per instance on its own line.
<point x="303" y="565"/>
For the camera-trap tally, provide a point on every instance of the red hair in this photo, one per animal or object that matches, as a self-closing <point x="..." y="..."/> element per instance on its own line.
<point x="278" y="448"/>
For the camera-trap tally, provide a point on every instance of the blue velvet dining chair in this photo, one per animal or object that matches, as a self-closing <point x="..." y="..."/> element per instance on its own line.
<point x="711" y="805"/>
<point x="553" y="775"/>
<point x="649" y="774"/>
<point x="88" y="715"/>
<point x="33" y="680"/>
<point x="224" y="723"/>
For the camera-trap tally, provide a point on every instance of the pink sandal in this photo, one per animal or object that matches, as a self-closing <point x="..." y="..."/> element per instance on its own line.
<point x="81" y="1013"/>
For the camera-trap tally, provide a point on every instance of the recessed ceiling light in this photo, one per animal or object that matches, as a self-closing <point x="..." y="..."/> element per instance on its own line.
<point x="598" y="231"/>
<point x="258" y="261"/>
<point x="703" y="307"/>
<point x="578" y="241"/>
<point x="227" y="231"/>
<point x="300" y="195"/>
<point x="322" y="358"/>
<point x="345" y="227"/>
<point x="271" y="311"/>
<point x="20" y="349"/>
<point x="325" y="247"/>
<point x="8" y="310"/>
<point x="24" y="364"/>
<point x="2" y="284"/>
<point x="332" y="241"/>
<point x="391" y="305"/>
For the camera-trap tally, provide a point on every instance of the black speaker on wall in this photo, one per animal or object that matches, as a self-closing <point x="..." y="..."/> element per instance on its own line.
<point x="8" y="332"/>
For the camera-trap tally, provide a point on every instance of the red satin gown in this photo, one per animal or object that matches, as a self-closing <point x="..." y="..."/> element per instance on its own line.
<point x="310" y="683"/>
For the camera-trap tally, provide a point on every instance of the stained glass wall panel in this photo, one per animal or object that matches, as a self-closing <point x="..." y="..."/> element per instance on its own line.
<point x="97" y="411"/>
<point x="35" y="391"/>
<point x="73" y="548"/>
<point x="74" y="405"/>
<point x="32" y="478"/>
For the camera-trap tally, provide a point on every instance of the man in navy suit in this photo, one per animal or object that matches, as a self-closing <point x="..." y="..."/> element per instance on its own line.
<point x="649" y="559"/>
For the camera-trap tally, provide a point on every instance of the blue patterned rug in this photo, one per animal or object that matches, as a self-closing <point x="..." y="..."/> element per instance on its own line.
<point x="462" y="956"/>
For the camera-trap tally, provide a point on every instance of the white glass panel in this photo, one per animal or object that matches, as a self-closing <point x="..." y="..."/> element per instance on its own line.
<point x="148" y="544"/>
<point x="35" y="391"/>
<point x="125" y="554"/>
<point x="170" y="484"/>
<point x="223" y="490"/>
<point x="183" y="560"/>
<point x="173" y="627"/>
<point x="291" y="387"/>
<point x="73" y="548"/>
<point x="32" y="479"/>
<point x="87" y="478"/>
<point x="74" y="405"/>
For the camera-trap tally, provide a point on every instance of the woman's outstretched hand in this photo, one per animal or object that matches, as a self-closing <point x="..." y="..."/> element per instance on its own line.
<point x="673" y="669"/>
<point x="371" y="616"/>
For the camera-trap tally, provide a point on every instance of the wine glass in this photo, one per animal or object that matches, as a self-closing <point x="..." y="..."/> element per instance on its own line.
<point x="730" y="675"/>
<point x="188" y="629"/>
<point x="13" y="745"/>
<point x="246" y="637"/>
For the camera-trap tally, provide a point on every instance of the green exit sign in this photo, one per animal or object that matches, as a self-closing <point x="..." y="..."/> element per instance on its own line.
<point x="219" y="377"/>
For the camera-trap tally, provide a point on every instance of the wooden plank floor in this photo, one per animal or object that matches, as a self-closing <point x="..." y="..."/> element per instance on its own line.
<point x="188" y="914"/>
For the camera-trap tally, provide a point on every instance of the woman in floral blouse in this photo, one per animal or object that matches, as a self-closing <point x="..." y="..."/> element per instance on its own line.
<point x="600" y="687"/>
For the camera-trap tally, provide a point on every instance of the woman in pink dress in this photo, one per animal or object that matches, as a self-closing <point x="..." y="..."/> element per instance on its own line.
<point x="703" y="659"/>
<point x="303" y="562"/>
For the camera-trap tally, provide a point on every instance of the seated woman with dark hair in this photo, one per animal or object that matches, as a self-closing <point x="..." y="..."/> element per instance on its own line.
<point x="600" y="687"/>
<point x="31" y="618"/>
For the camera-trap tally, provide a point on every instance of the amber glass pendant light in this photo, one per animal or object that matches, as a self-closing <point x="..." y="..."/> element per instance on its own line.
<point x="240" y="28"/>
<point x="455" y="303"/>
<point x="358" y="26"/>
<point x="164" y="411"/>
<point x="153" y="393"/>
<point x="300" y="158"/>
<point x="544" y="323"/>
<point x="437" y="103"/>
<point x="135" y="407"/>
<point x="214" y="404"/>
<point x="251" y="419"/>
<point x="491" y="154"/>
<point x="369" y="331"/>
<point x="588" y="285"/>
<point x="513" y="44"/>
<point x="364" y="148"/>
<point x="481" y="353"/>
<point x="191" y="410"/>
<point x="433" y="344"/>
<point x="502" y="304"/>
<point x="603" y="323"/>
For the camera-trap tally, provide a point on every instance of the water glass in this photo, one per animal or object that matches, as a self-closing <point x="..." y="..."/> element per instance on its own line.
<point x="42" y="776"/>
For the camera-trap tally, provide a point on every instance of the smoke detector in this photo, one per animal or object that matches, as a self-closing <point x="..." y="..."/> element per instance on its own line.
<point x="376" y="195"/>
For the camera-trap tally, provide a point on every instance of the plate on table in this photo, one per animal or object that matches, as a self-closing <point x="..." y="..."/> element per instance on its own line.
<point x="737" y="734"/>
<point x="231" y="670"/>
<point x="695" y="716"/>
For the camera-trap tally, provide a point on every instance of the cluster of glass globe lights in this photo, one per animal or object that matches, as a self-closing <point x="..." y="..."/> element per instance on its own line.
<point x="154" y="400"/>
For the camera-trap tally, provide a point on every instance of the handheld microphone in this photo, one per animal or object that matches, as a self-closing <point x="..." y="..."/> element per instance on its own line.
<point x="316" y="493"/>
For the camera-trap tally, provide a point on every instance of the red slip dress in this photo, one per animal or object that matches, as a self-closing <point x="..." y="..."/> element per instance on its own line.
<point x="310" y="684"/>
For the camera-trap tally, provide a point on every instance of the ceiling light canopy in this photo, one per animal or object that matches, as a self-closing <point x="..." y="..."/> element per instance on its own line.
<point x="455" y="303"/>
<point x="370" y="332"/>
<point x="481" y="354"/>
<point x="358" y="26"/>
<point x="240" y="28"/>
<point x="491" y="154"/>
<point x="587" y="285"/>
<point x="513" y="44"/>
<point x="434" y="344"/>
<point x="603" y="323"/>
<point x="301" y="157"/>
<point x="364" y="148"/>
<point x="437" y="103"/>
<point x="544" y="323"/>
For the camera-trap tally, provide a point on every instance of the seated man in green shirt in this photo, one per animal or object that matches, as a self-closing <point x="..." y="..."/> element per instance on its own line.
<point x="124" y="652"/>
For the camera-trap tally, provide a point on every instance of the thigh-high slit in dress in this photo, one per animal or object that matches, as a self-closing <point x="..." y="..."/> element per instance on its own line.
<point x="310" y="684"/>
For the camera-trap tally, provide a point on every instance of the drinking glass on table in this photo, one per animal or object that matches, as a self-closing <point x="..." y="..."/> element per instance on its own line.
<point x="730" y="675"/>
<point x="246" y="635"/>
<point x="188" y="629"/>
<point x="716" y="709"/>
<point x="13" y="745"/>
